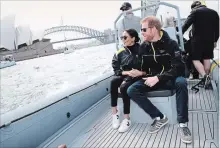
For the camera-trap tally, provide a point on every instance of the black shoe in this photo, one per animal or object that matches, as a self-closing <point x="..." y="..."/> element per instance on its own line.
<point x="195" y="75"/>
<point x="207" y="84"/>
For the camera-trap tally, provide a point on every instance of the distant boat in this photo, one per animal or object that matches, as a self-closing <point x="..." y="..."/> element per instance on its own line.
<point x="7" y="61"/>
<point x="68" y="50"/>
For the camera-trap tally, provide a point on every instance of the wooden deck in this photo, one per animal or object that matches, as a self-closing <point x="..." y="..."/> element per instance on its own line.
<point x="203" y="123"/>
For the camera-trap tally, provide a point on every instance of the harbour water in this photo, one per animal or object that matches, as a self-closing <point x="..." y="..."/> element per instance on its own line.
<point x="33" y="80"/>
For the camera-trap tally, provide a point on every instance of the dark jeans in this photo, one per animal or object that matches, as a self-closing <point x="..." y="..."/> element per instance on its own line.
<point x="137" y="93"/>
<point x="115" y="83"/>
<point x="182" y="99"/>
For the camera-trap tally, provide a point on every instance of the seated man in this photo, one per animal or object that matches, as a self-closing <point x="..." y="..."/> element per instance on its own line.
<point x="156" y="43"/>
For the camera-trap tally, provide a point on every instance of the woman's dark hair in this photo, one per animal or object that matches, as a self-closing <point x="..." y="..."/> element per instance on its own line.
<point x="133" y="33"/>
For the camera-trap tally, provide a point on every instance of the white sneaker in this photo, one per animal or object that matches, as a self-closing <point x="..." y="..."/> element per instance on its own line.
<point x="115" y="120"/>
<point x="125" y="125"/>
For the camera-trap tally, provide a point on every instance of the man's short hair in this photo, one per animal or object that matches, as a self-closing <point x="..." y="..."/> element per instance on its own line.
<point x="152" y="22"/>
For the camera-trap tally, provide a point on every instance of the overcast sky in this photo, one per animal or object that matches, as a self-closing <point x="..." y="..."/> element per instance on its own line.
<point x="98" y="15"/>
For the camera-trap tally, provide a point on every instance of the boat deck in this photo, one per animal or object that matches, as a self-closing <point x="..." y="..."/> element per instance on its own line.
<point x="203" y="123"/>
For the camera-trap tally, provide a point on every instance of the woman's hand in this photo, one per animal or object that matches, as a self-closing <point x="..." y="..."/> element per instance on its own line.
<point x="133" y="73"/>
<point x="136" y="73"/>
<point x="126" y="73"/>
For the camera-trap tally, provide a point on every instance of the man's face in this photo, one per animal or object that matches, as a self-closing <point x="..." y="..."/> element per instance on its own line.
<point x="126" y="9"/>
<point x="148" y="33"/>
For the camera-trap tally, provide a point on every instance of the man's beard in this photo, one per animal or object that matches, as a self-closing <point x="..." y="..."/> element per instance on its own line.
<point x="148" y="38"/>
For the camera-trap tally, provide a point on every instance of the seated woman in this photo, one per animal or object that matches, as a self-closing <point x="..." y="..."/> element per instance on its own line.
<point x="124" y="63"/>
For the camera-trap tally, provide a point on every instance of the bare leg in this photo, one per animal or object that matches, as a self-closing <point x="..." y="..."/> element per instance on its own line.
<point x="199" y="67"/>
<point x="127" y="116"/>
<point x="207" y="65"/>
<point x="114" y="110"/>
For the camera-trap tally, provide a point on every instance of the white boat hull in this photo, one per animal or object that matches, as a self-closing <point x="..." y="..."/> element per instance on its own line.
<point x="32" y="125"/>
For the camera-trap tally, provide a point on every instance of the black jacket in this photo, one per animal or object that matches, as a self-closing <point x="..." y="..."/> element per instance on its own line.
<point x="205" y="24"/>
<point x="125" y="59"/>
<point x="164" y="46"/>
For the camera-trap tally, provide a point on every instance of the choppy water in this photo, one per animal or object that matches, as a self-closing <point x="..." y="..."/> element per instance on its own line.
<point x="32" y="80"/>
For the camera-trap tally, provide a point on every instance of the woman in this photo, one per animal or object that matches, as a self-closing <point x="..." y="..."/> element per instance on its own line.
<point x="124" y="63"/>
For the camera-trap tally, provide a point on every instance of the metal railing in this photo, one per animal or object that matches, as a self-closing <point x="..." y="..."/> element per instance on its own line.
<point x="179" y="33"/>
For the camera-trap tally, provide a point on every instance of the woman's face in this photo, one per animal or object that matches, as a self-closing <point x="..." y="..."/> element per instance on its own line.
<point x="127" y="39"/>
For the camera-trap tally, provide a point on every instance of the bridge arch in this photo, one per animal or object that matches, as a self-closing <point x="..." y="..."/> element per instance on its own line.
<point x="102" y="37"/>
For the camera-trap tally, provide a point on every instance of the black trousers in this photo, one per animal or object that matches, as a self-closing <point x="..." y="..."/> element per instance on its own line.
<point x="115" y="84"/>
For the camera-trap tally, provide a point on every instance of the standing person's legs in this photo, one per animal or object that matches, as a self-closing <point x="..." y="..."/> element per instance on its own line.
<point x="207" y="65"/>
<point x="137" y="93"/>
<point x="203" y="50"/>
<point x="182" y="109"/>
<point x="197" y="54"/>
<point x="199" y="67"/>
<point x="207" y="56"/>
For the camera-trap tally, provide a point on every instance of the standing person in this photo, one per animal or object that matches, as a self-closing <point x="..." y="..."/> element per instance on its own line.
<point x="169" y="20"/>
<point x="123" y="62"/>
<point x="205" y="34"/>
<point x="128" y="21"/>
<point x="158" y="43"/>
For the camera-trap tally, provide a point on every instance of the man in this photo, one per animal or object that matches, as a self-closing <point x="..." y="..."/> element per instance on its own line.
<point x="157" y="43"/>
<point x="205" y="34"/>
<point x="127" y="22"/>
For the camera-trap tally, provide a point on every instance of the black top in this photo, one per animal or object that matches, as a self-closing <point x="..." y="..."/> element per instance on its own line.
<point x="164" y="46"/>
<point x="205" y="24"/>
<point x="134" y="48"/>
<point x="125" y="59"/>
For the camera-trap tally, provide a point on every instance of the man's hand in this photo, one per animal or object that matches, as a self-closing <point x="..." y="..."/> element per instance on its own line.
<point x="215" y="44"/>
<point x="151" y="81"/>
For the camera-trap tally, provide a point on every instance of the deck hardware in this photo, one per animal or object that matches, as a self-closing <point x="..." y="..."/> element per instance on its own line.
<point x="68" y="115"/>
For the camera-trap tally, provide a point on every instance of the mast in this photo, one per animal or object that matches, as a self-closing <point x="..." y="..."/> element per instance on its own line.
<point x="63" y="31"/>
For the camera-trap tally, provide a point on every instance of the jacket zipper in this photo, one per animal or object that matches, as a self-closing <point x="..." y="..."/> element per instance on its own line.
<point x="129" y="52"/>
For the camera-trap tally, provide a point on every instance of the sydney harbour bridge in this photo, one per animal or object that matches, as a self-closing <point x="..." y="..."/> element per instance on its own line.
<point x="81" y="33"/>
